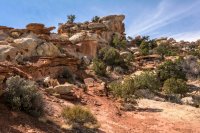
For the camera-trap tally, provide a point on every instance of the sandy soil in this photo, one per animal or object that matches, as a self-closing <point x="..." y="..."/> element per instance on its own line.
<point x="152" y="117"/>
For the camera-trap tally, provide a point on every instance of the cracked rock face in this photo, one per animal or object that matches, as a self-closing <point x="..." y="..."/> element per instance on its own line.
<point x="28" y="47"/>
<point x="89" y="36"/>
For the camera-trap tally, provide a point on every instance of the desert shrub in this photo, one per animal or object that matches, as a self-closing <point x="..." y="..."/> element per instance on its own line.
<point x="118" y="43"/>
<point x="138" y="40"/>
<point x="71" y="18"/>
<point x="191" y="66"/>
<point x="146" y="46"/>
<point x="116" y="88"/>
<point x="175" y="86"/>
<point x="110" y="56"/>
<point x="195" y="52"/>
<point x="95" y="19"/>
<point x="99" y="67"/>
<point x="22" y="95"/>
<point x="170" y="69"/>
<point x="128" y="58"/>
<point x="78" y="116"/>
<point x="162" y="50"/>
<point x="146" y="80"/>
<point x="128" y="87"/>
<point x="66" y="74"/>
<point x="122" y="89"/>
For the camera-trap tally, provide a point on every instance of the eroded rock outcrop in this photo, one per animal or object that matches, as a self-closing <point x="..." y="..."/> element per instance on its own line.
<point x="35" y="52"/>
<point x="89" y="36"/>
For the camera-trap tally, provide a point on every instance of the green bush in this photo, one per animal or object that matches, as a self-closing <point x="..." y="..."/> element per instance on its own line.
<point x="95" y="19"/>
<point x="118" y="43"/>
<point x="22" y="95"/>
<point x="65" y="73"/>
<point x="146" y="80"/>
<point x="99" y="67"/>
<point x="78" y="115"/>
<point x="170" y="70"/>
<point x="175" y="86"/>
<point x="128" y="58"/>
<point x="124" y="89"/>
<point x="71" y="18"/>
<point x="144" y="48"/>
<point x="110" y="56"/>
<point x="138" y="40"/>
<point x="165" y="49"/>
<point x="162" y="49"/>
<point x="129" y="85"/>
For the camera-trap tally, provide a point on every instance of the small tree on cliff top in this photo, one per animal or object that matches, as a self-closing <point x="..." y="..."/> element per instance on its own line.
<point x="71" y="18"/>
<point x="95" y="19"/>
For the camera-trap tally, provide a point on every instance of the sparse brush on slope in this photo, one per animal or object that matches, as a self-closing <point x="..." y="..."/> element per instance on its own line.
<point x="99" y="67"/>
<point x="110" y="56"/>
<point x="80" y="117"/>
<point x="129" y="85"/>
<point x="22" y="95"/>
<point x="175" y="86"/>
<point x="170" y="69"/>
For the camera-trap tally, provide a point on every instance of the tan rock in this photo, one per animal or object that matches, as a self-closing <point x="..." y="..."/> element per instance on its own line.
<point x="48" y="49"/>
<point x="7" y="52"/>
<point x="96" y="26"/>
<point x="78" y="37"/>
<point x="89" y="82"/>
<point x="63" y="89"/>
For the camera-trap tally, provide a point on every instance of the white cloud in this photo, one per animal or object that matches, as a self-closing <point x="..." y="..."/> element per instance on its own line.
<point x="165" y="13"/>
<point x="187" y="36"/>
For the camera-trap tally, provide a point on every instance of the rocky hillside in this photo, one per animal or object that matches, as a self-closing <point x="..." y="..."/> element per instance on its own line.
<point x="91" y="77"/>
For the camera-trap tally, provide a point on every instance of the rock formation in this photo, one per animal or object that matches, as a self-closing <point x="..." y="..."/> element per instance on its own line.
<point x="88" y="36"/>
<point x="35" y="52"/>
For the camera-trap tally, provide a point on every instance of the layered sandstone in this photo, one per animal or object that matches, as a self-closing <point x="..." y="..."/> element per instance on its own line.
<point x="89" y="36"/>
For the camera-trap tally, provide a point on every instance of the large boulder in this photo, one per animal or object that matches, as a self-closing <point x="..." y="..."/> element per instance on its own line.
<point x="187" y="100"/>
<point x="48" y="49"/>
<point x="7" y="52"/>
<point x="78" y="37"/>
<point x="36" y="47"/>
<point x="26" y="46"/>
<point x="63" y="89"/>
<point x="114" y="23"/>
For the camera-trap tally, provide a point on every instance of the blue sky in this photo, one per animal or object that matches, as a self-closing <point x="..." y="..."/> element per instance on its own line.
<point x="173" y="18"/>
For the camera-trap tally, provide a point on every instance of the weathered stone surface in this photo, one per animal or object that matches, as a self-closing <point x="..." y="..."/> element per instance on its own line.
<point x="89" y="82"/>
<point x="40" y="67"/>
<point x="48" y="82"/>
<point x="7" y="52"/>
<point x="187" y="100"/>
<point x="78" y="37"/>
<point x="88" y="48"/>
<point x="114" y="23"/>
<point x="39" y="28"/>
<point x="35" y="26"/>
<point x="96" y="26"/>
<point x="26" y="46"/>
<point x="3" y="35"/>
<point x="88" y="36"/>
<point x="29" y="47"/>
<point x="47" y="49"/>
<point x="63" y="89"/>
